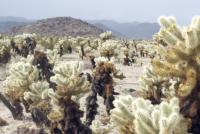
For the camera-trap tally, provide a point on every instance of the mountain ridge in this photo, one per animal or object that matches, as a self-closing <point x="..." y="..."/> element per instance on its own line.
<point x="57" y="26"/>
<point x="131" y="30"/>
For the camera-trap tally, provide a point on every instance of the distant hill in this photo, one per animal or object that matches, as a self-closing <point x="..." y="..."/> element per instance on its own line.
<point x="135" y="30"/>
<point x="105" y="28"/>
<point x="62" y="26"/>
<point x="5" y="26"/>
<point x="7" y="22"/>
<point x="12" y="19"/>
<point x="58" y="26"/>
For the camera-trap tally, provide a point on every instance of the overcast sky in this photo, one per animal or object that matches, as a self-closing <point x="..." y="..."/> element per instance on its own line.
<point x="119" y="10"/>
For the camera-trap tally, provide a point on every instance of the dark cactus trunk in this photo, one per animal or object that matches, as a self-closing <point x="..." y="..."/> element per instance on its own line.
<point x="16" y="109"/>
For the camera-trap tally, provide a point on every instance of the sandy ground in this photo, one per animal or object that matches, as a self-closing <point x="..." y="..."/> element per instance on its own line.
<point x="132" y="74"/>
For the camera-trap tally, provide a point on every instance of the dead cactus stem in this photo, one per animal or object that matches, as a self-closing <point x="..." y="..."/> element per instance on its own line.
<point x="91" y="106"/>
<point x="190" y="108"/>
<point x="127" y="60"/>
<point x="42" y="63"/>
<point x="71" y="123"/>
<point x="15" y="108"/>
<point x="102" y="85"/>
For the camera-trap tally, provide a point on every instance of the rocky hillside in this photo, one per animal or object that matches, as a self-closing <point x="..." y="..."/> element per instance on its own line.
<point x="59" y="26"/>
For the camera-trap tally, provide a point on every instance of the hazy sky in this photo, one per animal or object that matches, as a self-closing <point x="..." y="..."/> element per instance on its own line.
<point x="120" y="10"/>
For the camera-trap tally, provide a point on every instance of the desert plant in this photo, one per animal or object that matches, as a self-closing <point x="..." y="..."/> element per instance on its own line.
<point x="21" y="75"/>
<point x="108" y="49"/>
<point x="155" y="87"/>
<point x="105" y="36"/>
<point x="24" y="44"/>
<point x="127" y="60"/>
<point x="141" y="117"/>
<point x="4" y="52"/>
<point x="39" y="102"/>
<point x="41" y="61"/>
<point x="65" y="112"/>
<point x="102" y="85"/>
<point x="179" y="59"/>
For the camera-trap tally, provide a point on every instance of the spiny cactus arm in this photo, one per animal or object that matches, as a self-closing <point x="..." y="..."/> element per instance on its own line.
<point x="53" y="56"/>
<point x="122" y="116"/>
<point x="142" y="123"/>
<point x="37" y="93"/>
<point x="181" y="52"/>
<point x="56" y="113"/>
<point x="98" y="128"/>
<point x="122" y="103"/>
<point x="170" y="31"/>
<point x="83" y="88"/>
<point x="163" y="119"/>
<point x="166" y="69"/>
<point x="171" y="120"/>
<point x="189" y="84"/>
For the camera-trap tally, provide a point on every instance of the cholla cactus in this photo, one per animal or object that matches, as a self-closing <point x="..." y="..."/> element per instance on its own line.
<point x="48" y="42"/>
<point x="108" y="49"/>
<point x="25" y="35"/>
<point x="98" y="128"/>
<point x="122" y="116"/>
<point x="83" y="47"/>
<point x="106" y="35"/>
<point x="94" y="43"/>
<point x="159" y="119"/>
<point x="21" y="75"/>
<point x="127" y="60"/>
<point x="66" y="43"/>
<point x="53" y="56"/>
<point x="141" y="117"/>
<point x="4" y="53"/>
<point x="102" y="85"/>
<point x="24" y="44"/>
<point x="180" y="60"/>
<point x="99" y="60"/>
<point x="155" y="87"/>
<point x="68" y="80"/>
<point x="109" y="66"/>
<point x="37" y="95"/>
<point x="65" y="111"/>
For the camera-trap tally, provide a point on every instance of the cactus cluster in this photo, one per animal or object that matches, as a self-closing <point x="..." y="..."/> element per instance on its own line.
<point x="106" y="35"/>
<point x="167" y="101"/>
<point x="65" y="111"/>
<point x="24" y="44"/>
<point x="4" y="51"/>
<point x="108" y="49"/>
<point x="141" y="117"/>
